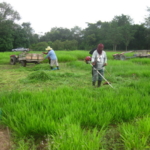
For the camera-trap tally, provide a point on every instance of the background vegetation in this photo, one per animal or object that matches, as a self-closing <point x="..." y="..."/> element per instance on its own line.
<point x="119" y="34"/>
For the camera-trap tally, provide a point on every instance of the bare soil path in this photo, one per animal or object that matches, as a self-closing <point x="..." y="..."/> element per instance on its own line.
<point x="4" y="139"/>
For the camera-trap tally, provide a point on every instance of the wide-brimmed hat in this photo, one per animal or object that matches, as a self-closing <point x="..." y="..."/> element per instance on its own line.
<point x="48" y="48"/>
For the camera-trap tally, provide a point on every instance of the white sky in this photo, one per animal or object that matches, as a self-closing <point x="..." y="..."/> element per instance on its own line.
<point x="46" y="14"/>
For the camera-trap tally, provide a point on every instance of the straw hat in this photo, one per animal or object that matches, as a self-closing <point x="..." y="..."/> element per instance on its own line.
<point x="48" y="48"/>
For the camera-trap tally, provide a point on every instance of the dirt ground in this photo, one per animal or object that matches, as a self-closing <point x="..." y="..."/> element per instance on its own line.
<point x="4" y="139"/>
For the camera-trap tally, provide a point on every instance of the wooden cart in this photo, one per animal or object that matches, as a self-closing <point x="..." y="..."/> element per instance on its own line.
<point x="25" y="58"/>
<point x="137" y="53"/>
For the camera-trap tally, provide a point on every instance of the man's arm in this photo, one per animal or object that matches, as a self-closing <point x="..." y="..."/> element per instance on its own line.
<point x="105" y="59"/>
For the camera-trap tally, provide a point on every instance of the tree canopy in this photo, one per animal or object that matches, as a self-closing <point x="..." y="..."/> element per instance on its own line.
<point x="118" y="34"/>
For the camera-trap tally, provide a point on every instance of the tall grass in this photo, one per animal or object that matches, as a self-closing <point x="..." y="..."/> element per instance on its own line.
<point x="136" y="135"/>
<point x="88" y="111"/>
<point x="66" y="112"/>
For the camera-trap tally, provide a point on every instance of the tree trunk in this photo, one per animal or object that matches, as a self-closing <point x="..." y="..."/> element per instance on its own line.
<point x="126" y="47"/>
<point x="114" y="47"/>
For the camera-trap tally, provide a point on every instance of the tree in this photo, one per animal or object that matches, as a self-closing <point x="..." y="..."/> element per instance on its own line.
<point x="74" y="44"/>
<point x="92" y="35"/>
<point x="19" y="36"/>
<point x="77" y="34"/>
<point x="58" y="45"/>
<point x="39" y="46"/>
<point x="139" y="41"/>
<point x="7" y="12"/>
<point x="34" y="39"/>
<point x="104" y="33"/>
<point x="67" y="45"/>
<point x="147" y="20"/>
<point x="114" y="35"/>
<point x="147" y="24"/>
<point x="28" y="33"/>
<point x="61" y="34"/>
<point x="125" y="34"/>
<point x="123" y="20"/>
<point x="6" y="35"/>
<point x="7" y="18"/>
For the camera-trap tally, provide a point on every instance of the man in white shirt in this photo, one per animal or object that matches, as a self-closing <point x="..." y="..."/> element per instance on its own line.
<point x="99" y="60"/>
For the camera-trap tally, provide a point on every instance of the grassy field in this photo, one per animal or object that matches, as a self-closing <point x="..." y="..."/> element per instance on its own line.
<point x="61" y="110"/>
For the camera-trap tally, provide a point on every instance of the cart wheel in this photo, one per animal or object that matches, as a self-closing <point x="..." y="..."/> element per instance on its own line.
<point x="37" y="62"/>
<point x="13" y="60"/>
<point x="122" y="57"/>
<point x="23" y="63"/>
<point x="117" y="57"/>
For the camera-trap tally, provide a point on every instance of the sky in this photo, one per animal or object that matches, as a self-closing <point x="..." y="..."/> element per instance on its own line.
<point x="46" y="14"/>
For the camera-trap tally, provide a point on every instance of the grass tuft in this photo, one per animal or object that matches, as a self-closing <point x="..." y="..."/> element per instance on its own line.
<point x="41" y="76"/>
